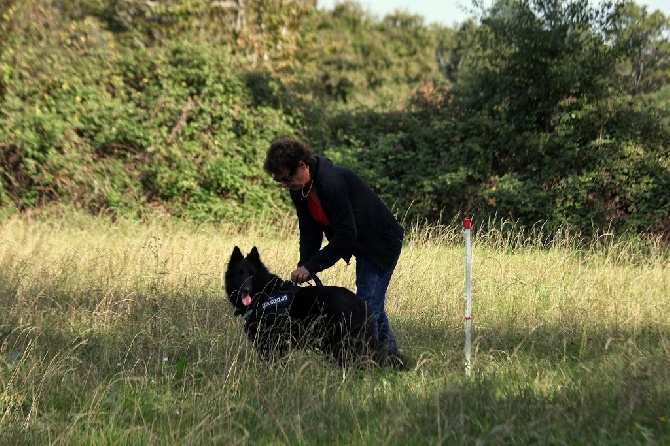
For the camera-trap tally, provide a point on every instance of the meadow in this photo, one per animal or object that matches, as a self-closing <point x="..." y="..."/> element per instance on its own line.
<point x="120" y="333"/>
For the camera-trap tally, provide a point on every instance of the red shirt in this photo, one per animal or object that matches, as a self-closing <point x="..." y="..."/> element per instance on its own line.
<point x="317" y="212"/>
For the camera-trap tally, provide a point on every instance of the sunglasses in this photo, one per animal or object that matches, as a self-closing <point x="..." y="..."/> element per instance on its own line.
<point x="285" y="178"/>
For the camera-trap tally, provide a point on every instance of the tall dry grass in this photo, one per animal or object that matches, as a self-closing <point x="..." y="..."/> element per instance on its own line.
<point x="120" y="332"/>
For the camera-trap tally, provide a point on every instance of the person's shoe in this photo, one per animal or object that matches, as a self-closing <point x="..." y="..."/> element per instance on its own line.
<point x="398" y="360"/>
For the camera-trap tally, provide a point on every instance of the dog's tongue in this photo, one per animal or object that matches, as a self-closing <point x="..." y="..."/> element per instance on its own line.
<point x="246" y="300"/>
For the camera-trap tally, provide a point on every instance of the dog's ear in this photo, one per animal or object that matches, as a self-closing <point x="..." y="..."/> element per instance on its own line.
<point x="254" y="255"/>
<point x="236" y="255"/>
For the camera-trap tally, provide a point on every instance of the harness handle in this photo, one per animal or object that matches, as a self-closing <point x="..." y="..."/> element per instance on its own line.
<point x="317" y="281"/>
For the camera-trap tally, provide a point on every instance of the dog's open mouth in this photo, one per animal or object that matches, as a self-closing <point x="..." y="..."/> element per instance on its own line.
<point x="246" y="300"/>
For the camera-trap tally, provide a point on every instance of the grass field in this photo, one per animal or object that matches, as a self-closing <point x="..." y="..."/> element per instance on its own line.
<point x="120" y="333"/>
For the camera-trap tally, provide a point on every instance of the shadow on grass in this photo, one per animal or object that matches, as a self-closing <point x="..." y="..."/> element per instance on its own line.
<point x="568" y="384"/>
<point x="180" y="360"/>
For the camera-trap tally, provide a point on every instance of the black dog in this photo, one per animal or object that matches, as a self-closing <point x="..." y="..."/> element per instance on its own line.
<point x="280" y="315"/>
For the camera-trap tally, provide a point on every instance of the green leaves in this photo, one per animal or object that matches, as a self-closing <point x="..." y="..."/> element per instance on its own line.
<point x="111" y="128"/>
<point x="533" y="113"/>
<point x="641" y="40"/>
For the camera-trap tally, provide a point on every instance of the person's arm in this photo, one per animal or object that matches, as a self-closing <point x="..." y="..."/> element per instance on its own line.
<point x="310" y="232"/>
<point x="311" y="237"/>
<point x="335" y="200"/>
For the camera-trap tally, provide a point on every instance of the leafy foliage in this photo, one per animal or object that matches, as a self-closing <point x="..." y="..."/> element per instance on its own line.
<point x="642" y="39"/>
<point x="536" y="128"/>
<point x="542" y="110"/>
<point x="112" y="128"/>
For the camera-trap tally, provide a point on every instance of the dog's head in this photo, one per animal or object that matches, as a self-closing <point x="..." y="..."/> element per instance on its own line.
<point x="245" y="278"/>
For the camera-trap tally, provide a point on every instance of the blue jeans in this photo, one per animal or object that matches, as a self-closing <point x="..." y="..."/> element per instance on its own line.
<point x="371" y="285"/>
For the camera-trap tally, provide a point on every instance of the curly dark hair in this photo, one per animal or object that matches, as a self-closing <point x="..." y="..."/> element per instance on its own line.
<point x="285" y="154"/>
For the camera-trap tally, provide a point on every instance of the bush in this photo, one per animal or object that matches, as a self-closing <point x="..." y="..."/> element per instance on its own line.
<point x="112" y="130"/>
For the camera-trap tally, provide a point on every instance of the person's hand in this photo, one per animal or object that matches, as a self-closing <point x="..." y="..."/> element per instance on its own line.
<point x="300" y="275"/>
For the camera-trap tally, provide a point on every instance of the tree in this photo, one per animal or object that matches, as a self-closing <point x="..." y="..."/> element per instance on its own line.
<point x="453" y="48"/>
<point x="642" y="41"/>
<point x="529" y="56"/>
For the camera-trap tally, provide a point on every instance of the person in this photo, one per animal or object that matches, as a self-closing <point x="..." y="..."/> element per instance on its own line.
<point x="334" y="201"/>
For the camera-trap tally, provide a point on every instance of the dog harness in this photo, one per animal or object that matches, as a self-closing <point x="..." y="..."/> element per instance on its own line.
<point x="278" y="304"/>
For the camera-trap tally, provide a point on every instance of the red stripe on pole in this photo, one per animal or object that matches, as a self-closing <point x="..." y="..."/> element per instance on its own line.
<point x="466" y="223"/>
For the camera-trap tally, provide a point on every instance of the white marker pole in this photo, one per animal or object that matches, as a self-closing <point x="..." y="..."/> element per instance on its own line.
<point x="468" y="298"/>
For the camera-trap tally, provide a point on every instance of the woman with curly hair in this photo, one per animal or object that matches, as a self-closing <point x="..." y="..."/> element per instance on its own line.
<point x="334" y="201"/>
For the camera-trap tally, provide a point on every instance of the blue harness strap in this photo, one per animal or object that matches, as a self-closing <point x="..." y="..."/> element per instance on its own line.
<point x="278" y="304"/>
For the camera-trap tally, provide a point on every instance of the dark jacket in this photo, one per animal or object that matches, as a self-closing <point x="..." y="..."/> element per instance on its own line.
<point x="361" y="224"/>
